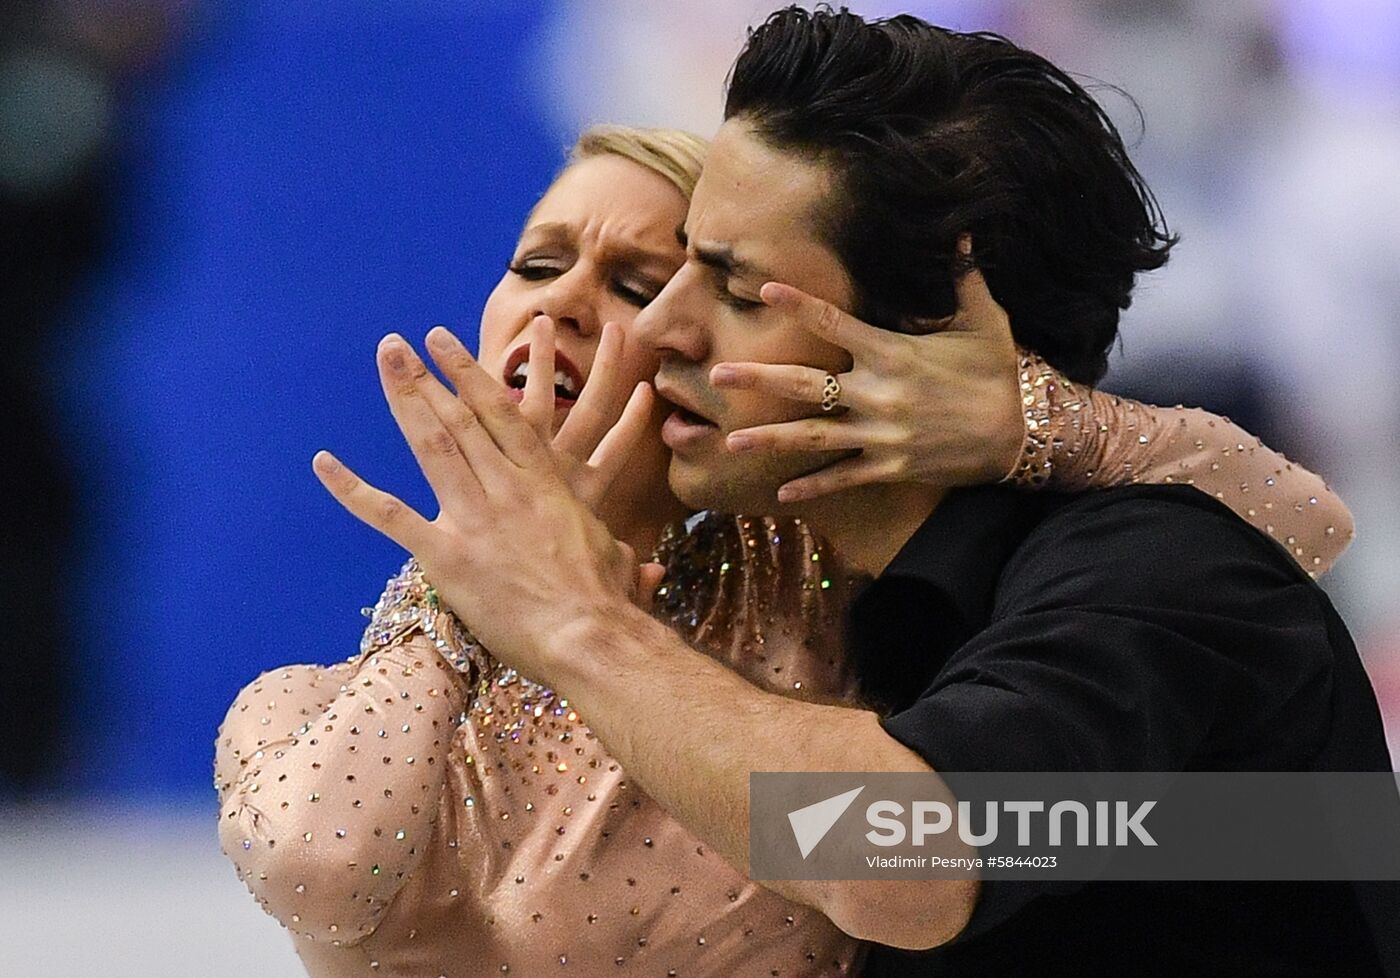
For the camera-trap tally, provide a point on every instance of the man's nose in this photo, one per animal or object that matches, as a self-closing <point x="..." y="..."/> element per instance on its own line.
<point x="668" y="325"/>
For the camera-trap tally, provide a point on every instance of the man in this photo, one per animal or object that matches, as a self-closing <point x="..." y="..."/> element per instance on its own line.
<point x="1140" y="629"/>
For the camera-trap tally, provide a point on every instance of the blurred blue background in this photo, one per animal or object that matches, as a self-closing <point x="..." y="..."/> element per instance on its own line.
<point x="287" y="185"/>
<point x="210" y="213"/>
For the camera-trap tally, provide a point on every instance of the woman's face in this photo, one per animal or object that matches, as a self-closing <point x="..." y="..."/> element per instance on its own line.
<point x="597" y="248"/>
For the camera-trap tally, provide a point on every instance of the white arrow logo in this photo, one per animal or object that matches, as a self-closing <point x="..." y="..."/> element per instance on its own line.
<point x="811" y="824"/>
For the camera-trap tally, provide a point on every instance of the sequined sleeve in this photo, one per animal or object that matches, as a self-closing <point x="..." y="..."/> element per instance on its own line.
<point x="329" y="779"/>
<point x="1080" y="438"/>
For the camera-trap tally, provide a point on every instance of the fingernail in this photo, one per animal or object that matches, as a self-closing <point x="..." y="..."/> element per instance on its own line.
<point x="723" y="374"/>
<point x="393" y="347"/>
<point x="324" y="461"/>
<point x="739" y="443"/>
<point x="786" y="494"/>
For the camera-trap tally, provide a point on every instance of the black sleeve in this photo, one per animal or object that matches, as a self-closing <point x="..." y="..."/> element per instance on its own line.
<point x="1128" y="633"/>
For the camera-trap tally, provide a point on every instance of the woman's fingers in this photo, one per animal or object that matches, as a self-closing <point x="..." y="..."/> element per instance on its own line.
<point x="406" y="379"/>
<point x="845" y="474"/>
<point x="830" y="323"/>
<point x="389" y="515"/>
<point x="601" y="403"/>
<point x="804" y="435"/>
<point x="615" y="449"/>
<point x="977" y="310"/>
<point x="538" y="404"/>
<point x="806" y="385"/>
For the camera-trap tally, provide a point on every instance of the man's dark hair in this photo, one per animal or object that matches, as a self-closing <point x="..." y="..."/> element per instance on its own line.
<point x="932" y="134"/>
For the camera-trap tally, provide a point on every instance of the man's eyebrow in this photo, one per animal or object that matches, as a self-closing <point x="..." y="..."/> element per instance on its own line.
<point x="717" y="256"/>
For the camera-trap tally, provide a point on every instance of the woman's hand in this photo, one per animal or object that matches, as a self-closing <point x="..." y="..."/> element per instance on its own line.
<point x="941" y="408"/>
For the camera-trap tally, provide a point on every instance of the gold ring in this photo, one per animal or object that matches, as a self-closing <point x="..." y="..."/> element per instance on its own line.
<point x="831" y="394"/>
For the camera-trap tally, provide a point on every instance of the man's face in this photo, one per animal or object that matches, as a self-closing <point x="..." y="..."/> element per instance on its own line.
<point x="753" y="219"/>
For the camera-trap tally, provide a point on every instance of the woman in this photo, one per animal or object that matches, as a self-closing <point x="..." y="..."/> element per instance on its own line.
<point x="421" y="809"/>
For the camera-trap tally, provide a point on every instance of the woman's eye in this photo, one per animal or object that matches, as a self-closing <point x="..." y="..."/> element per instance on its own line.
<point x="532" y="272"/>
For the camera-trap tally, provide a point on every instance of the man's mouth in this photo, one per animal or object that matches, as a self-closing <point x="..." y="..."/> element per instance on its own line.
<point x="690" y="417"/>
<point x="568" y="381"/>
<point x="684" y="426"/>
<point x="683" y="404"/>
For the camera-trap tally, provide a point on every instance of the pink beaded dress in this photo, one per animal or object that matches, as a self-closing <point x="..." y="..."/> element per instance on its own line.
<point x="422" y="810"/>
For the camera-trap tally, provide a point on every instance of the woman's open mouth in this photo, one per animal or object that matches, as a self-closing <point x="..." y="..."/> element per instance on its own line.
<point x="568" y="380"/>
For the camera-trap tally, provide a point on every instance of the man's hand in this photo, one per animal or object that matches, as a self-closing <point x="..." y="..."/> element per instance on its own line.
<point x="611" y="414"/>
<point x="513" y="551"/>
<point x="545" y="586"/>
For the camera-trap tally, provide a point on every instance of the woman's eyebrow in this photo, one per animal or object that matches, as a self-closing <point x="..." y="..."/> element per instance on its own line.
<point x="611" y="250"/>
<point x="547" y="229"/>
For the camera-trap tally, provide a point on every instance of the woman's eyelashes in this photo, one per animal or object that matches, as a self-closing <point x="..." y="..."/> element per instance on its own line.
<point x="633" y="292"/>
<point x="535" y="269"/>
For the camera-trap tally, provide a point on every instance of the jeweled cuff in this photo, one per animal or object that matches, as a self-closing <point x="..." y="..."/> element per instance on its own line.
<point x="1037" y="381"/>
<point x="410" y="604"/>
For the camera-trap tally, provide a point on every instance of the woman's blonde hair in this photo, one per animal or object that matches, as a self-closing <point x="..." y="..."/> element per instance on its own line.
<point x="673" y="153"/>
